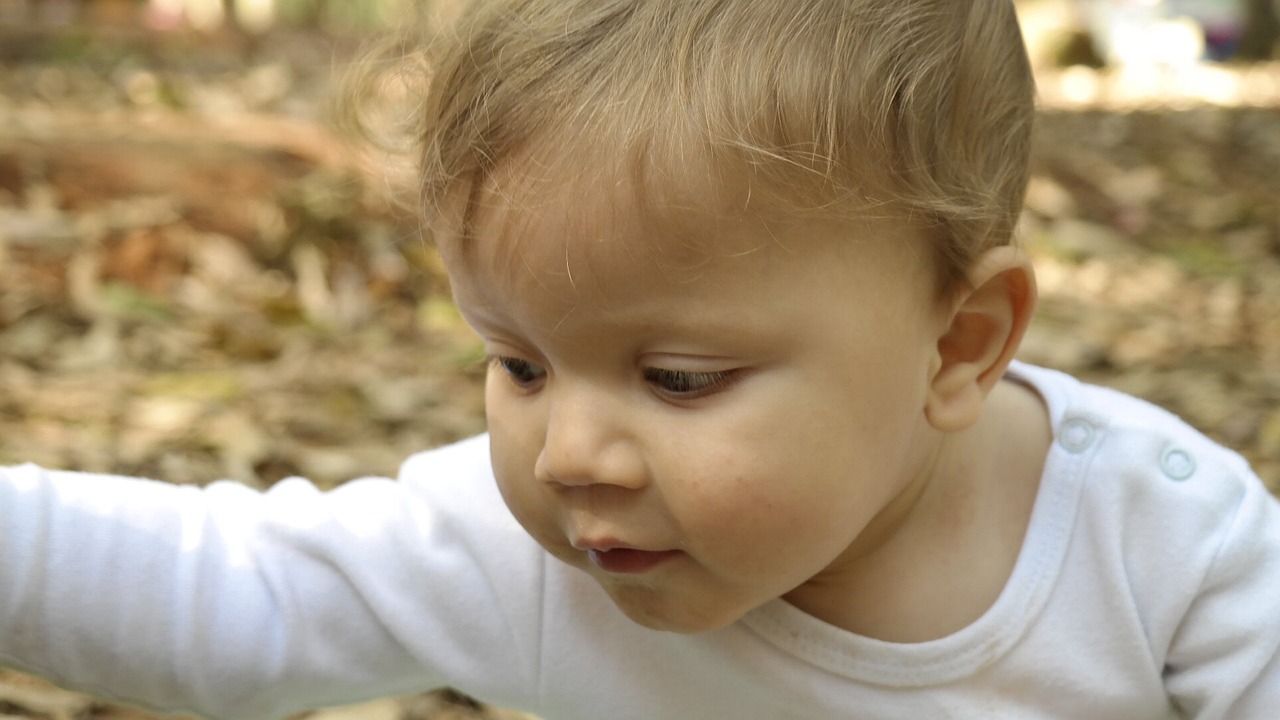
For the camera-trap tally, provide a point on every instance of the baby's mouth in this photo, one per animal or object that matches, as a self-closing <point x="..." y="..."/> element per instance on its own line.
<point x="629" y="561"/>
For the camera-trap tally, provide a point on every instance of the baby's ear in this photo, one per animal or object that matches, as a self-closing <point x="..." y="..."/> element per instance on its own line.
<point x="988" y="318"/>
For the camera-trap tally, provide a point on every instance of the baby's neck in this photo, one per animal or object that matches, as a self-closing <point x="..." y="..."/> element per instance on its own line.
<point x="946" y="565"/>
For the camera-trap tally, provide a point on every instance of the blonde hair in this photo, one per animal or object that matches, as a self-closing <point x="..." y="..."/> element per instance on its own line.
<point x="830" y="107"/>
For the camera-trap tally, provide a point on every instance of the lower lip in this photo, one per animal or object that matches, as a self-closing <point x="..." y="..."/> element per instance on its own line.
<point x="625" y="561"/>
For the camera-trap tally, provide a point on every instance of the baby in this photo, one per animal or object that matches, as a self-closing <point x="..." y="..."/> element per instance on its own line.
<point x="758" y="447"/>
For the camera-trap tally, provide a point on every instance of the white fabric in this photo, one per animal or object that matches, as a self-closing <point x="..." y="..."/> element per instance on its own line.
<point x="1148" y="587"/>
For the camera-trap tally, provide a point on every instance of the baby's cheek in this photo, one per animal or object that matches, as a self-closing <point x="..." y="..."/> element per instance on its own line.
<point x="752" y="504"/>
<point x="513" y="455"/>
<point x="725" y="504"/>
<point x="514" y="431"/>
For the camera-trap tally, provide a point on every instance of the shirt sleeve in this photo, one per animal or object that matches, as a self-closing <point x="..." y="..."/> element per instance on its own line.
<point x="1224" y="661"/>
<point x="231" y="603"/>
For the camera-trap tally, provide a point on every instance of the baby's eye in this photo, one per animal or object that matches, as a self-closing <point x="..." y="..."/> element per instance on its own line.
<point x="522" y="372"/>
<point x="688" y="384"/>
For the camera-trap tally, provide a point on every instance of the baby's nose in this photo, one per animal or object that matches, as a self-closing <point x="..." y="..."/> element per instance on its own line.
<point x="589" y="442"/>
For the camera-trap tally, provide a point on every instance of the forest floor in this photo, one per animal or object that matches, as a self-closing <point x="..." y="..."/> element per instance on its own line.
<point x="197" y="281"/>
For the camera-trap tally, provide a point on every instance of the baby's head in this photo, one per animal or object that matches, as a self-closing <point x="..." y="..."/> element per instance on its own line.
<point x="919" y="110"/>
<point x="740" y="265"/>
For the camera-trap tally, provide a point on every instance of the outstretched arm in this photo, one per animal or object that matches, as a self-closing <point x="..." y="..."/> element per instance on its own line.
<point x="227" y="602"/>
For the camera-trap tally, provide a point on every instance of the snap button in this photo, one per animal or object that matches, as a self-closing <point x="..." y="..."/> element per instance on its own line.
<point x="1076" y="435"/>
<point x="1177" y="463"/>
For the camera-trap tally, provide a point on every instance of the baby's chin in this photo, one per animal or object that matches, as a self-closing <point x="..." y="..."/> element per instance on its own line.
<point x="679" y="626"/>
<point x="666" y="611"/>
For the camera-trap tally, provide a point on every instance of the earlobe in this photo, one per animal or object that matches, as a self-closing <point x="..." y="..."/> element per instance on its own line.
<point x="987" y="322"/>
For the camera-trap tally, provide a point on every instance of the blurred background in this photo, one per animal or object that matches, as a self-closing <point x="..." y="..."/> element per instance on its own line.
<point x="199" y="280"/>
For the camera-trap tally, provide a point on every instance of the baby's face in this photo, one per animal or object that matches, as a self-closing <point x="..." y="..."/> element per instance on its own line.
<point x="700" y="429"/>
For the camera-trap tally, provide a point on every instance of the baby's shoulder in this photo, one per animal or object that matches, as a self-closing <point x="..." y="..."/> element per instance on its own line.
<point x="1172" y="533"/>
<point x="1160" y="501"/>
<point x="1152" y="454"/>
<point x="1133" y="455"/>
<point x="1136" y="488"/>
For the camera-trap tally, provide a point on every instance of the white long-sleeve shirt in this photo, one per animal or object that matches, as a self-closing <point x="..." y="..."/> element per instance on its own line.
<point x="1148" y="586"/>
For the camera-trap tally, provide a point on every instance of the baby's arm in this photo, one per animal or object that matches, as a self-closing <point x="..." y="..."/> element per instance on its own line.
<point x="1224" y="660"/>
<point x="231" y="603"/>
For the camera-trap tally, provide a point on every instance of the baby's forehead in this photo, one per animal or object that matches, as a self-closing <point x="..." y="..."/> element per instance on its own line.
<point x="592" y="235"/>
<point x="526" y="209"/>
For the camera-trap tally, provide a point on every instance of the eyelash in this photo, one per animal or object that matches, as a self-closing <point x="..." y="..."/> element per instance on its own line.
<point x="680" y="383"/>
<point x="514" y="368"/>
<point x="675" y="383"/>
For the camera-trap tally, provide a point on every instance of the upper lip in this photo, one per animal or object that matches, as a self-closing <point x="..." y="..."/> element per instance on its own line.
<point x="603" y="544"/>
